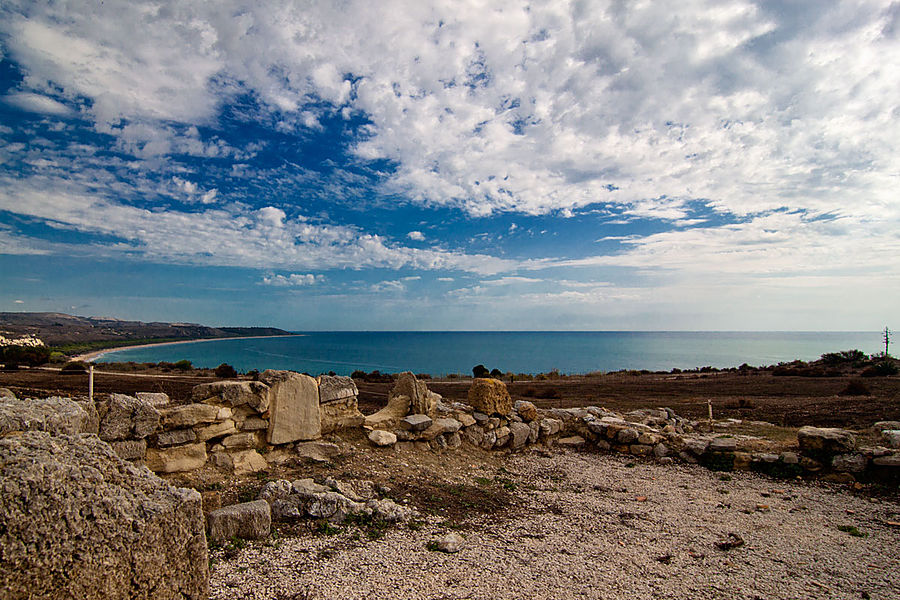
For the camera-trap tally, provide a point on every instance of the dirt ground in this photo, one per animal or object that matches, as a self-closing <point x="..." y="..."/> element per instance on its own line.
<point x="787" y="401"/>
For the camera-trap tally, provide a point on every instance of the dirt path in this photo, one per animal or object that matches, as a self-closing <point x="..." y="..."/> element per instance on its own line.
<point x="593" y="526"/>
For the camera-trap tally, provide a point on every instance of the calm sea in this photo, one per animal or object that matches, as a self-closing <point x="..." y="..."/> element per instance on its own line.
<point x="441" y="353"/>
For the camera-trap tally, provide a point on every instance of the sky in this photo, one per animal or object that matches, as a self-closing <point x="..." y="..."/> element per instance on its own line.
<point x="464" y="165"/>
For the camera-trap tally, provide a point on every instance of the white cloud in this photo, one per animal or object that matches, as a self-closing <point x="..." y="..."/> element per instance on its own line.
<point x="38" y="103"/>
<point x="417" y="236"/>
<point x="19" y="301"/>
<point x="446" y="279"/>
<point x="293" y="280"/>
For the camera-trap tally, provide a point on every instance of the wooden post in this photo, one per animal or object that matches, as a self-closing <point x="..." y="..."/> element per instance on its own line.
<point x="709" y="406"/>
<point x="91" y="382"/>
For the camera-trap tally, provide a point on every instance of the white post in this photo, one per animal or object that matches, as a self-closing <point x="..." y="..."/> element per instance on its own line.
<point x="91" y="383"/>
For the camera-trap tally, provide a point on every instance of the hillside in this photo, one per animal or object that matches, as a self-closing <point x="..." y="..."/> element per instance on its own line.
<point x="59" y="329"/>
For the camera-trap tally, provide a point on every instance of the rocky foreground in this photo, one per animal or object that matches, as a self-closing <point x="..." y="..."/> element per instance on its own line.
<point x="583" y="525"/>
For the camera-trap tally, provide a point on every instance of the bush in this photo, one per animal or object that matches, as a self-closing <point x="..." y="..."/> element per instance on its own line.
<point x="183" y="365"/>
<point x="496" y="373"/>
<point x="884" y="368"/>
<point x="32" y="356"/>
<point x="479" y="371"/>
<point x="254" y="374"/>
<point x="855" y="388"/>
<point x="225" y="371"/>
<point x="844" y="357"/>
<point x="74" y="367"/>
<point x="357" y="374"/>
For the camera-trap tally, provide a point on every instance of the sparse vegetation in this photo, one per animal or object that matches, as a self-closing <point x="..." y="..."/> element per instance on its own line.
<point x="226" y="371"/>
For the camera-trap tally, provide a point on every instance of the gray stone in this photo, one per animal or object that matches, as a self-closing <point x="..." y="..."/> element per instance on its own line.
<point x="527" y="410"/>
<point x="79" y="522"/>
<point x="188" y="415"/>
<point x="254" y="394"/>
<point x="358" y="490"/>
<point x="480" y="418"/>
<point x="53" y="415"/>
<point x="454" y="440"/>
<point x="474" y="435"/>
<point x="826" y="439"/>
<point x="388" y="510"/>
<point x="790" y="458"/>
<point x="332" y="506"/>
<point x="128" y="418"/>
<point x="239" y="441"/>
<point x="177" y="458"/>
<point x="891" y="437"/>
<point x="379" y="437"/>
<point x="887" y="461"/>
<point x="575" y="441"/>
<point x="254" y="424"/>
<point x="849" y="463"/>
<point x="216" y="430"/>
<point x="318" y="451"/>
<point x="154" y="399"/>
<point x="489" y="439"/>
<point x="293" y="407"/>
<point x="175" y="437"/>
<point x="882" y="425"/>
<point x="448" y="425"/>
<point x="640" y="449"/>
<point x="248" y="461"/>
<point x="465" y="418"/>
<point x="722" y="444"/>
<point x="534" y="428"/>
<point x="550" y="426"/>
<point x="420" y="401"/>
<point x="130" y="449"/>
<point x="248" y="521"/>
<point x="660" y="450"/>
<point x="416" y="422"/>
<point x="450" y="543"/>
<point x="503" y="436"/>
<point x="342" y="413"/>
<point x="696" y="447"/>
<point x="520" y="433"/>
<point x="336" y="387"/>
<point x="627" y="436"/>
<point x="92" y="424"/>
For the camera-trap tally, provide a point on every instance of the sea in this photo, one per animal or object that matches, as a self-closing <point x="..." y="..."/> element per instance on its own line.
<point x="443" y="353"/>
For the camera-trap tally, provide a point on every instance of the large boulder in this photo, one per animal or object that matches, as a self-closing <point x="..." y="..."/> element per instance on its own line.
<point x="128" y="418"/>
<point x="254" y="394"/>
<point x="54" y="415"/>
<point x="293" y="407"/>
<point x="397" y="408"/>
<point x="490" y="397"/>
<point x="826" y="439"/>
<point x="420" y="401"/>
<point x="76" y="521"/>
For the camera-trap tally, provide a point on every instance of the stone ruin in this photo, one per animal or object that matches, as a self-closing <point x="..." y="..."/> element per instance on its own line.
<point x="96" y="462"/>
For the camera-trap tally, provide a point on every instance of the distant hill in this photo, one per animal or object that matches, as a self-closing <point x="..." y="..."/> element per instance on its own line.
<point x="59" y="329"/>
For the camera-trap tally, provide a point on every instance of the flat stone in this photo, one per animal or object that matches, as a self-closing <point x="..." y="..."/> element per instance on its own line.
<point x="254" y="394"/>
<point x="293" y="407"/>
<point x="550" y="426"/>
<point x="379" y="437"/>
<point x="696" y="447"/>
<point x="722" y="444"/>
<point x="216" y="430"/>
<point x="790" y="458"/>
<point x="239" y="441"/>
<point x="307" y="486"/>
<point x="188" y="415"/>
<point x="465" y="418"/>
<point x="448" y="425"/>
<point x="882" y="425"/>
<point x="248" y="461"/>
<point x="154" y="399"/>
<point x="627" y="436"/>
<point x="176" y="437"/>
<point x="891" y="437"/>
<point x="849" y="463"/>
<point x="176" y="459"/>
<point x="254" y="424"/>
<point x="480" y="418"/>
<point x="887" y="461"/>
<point x="318" y="451"/>
<point x="336" y="387"/>
<point x="416" y="422"/>
<point x="248" y="521"/>
<point x="571" y="441"/>
<point x="826" y="439"/>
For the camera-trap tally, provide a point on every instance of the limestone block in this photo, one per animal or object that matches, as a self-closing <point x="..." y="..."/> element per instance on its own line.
<point x="338" y="414"/>
<point x="575" y="441"/>
<point x="420" y="401"/>
<point x="176" y="437"/>
<point x="826" y="439"/>
<point x="79" y="522"/>
<point x="177" y="458"/>
<point x="849" y="463"/>
<point x="527" y="410"/>
<point x="248" y="461"/>
<point x="254" y="424"/>
<point x="239" y="441"/>
<point x="397" y="408"/>
<point x="465" y="418"/>
<point x="490" y="396"/>
<point x="189" y="415"/>
<point x="293" y="407"/>
<point x="520" y="433"/>
<point x="332" y="387"/>
<point x="722" y="444"/>
<point x="254" y="394"/>
<point x="53" y="415"/>
<point x="216" y="430"/>
<point x="627" y="436"/>
<point x="128" y="418"/>
<point x="380" y="437"/>
<point x="248" y="520"/>
<point x="416" y="422"/>
<point x="130" y="449"/>
<point x="154" y="399"/>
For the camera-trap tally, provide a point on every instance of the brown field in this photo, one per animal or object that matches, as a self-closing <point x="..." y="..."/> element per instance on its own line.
<point x="789" y="401"/>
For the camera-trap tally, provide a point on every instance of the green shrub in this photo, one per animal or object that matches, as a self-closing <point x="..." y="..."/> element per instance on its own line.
<point x="225" y="371"/>
<point x="75" y="366"/>
<point x="884" y="368"/>
<point x="183" y="365"/>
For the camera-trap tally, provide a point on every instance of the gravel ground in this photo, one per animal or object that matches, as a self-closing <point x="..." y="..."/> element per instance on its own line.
<point x="600" y="526"/>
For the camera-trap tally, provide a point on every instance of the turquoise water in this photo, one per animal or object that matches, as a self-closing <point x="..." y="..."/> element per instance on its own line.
<point x="440" y="353"/>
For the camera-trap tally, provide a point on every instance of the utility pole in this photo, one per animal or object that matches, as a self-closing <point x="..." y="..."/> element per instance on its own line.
<point x="887" y="341"/>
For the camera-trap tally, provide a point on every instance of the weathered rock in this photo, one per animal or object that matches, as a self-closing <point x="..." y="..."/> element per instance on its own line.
<point x="454" y="440"/>
<point x="550" y="426"/>
<point x="448" y="425"/>
<point x="53" y="415"/>
<point x="696" y="447"/>
<point x="520" y="433"/>
<point x="882" y="425"/>
<point x="722" y="444"/>
<point x="396" y="408"/>
<point x="526" y="410"/>
<point x="534" y="431"/>
<point x="254" y="424"/>
<point x="790" y="458"/>
<point x="849" y="463"/>
<point x="332" y="506"/>
<point x="450" y="543"/>
<point x="891" y="437"/>
<point x="254" y="394"/>
<point x="388" y="510"/>
<point x="574" y="441"/>
<point x="503" y="435"/>
<point x="490" y="396"/>
<point x="489" y="439"/>
<point x="7" y="393"/>
<point x="420" y="401"/>
<point x="342" y="413"/>
<point x="248" y="520"/>
<point x="640" y="449"/>
<point x="465" y="418"/>
<point x="79" y="522"/>
<point x="216" y="430"/>
<point x="188" y="415"/>
<point x="130" y="449"/>
<point x="742" y="461"/>
<point x="239" y="441"/>
<point x="176" y="437"/>
<point x="248" y="461"/>
<point x="379" y="437"/>
<point x="826" y="439"/>
<point x="128" y="418"/>
<point x="627" y="436"/>
<point x="358" y="490"/>
<point x="336" y="387"/>
<point x="318" y="451"/>
<point x="293" y="407"/>
<point x="176" y="459"/>
<point x="416" y="422"/>
<point x="92" y="424"/>
<point x="660" y="450"/>
<point x="154" y="399"/>
<point x="473" y="434"/>
<point x="887" y="461"/>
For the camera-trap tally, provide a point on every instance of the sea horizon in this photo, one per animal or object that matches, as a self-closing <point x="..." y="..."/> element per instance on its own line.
<point x="456" y="352"/>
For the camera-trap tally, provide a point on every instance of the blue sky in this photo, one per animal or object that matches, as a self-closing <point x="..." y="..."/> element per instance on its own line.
<point x="453" y="165"/>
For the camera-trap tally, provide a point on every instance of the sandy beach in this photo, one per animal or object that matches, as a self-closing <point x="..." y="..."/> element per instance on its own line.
<point x="94" y="355"/>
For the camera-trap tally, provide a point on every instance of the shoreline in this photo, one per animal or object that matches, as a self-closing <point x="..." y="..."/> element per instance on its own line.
<point x="95" y="354"/>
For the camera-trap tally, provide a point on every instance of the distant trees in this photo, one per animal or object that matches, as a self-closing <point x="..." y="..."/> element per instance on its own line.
<point x="31" y="356"/>
<point x="479" y="371"/>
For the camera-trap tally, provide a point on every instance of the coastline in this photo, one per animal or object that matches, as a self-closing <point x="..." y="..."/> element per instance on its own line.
<point x="95" y="354"/>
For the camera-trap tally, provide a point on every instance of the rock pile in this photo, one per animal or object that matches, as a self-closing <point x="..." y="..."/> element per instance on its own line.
<point x="334" y="501"/>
